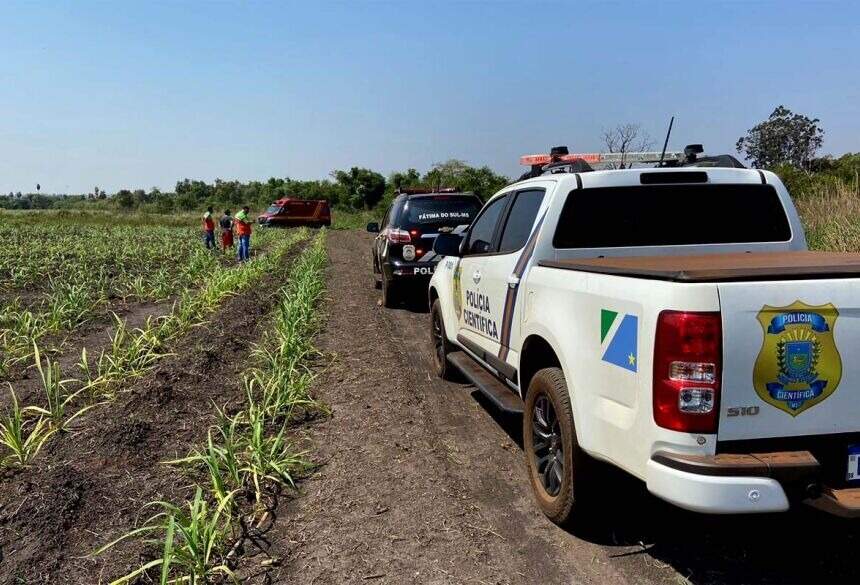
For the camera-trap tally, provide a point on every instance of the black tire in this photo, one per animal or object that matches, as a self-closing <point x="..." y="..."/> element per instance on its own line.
<point x="390" y="293"/>
<point x="560" y="482"/>
<point x="441" y="346"/>
<point x="377" y="284"/>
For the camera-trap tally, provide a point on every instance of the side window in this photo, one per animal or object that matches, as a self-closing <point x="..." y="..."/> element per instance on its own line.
<point x="520" y="220"/>
<point x="394" y="212"/>
<point x="482" y="231"/>
<point x="385" y="218"/>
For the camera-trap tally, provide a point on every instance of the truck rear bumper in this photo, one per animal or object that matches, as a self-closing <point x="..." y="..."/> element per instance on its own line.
<point x="737" y="483"/>
<point x="714" y="494"/>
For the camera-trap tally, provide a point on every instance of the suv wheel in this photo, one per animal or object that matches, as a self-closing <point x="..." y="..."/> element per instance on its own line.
<point x="376" y="275"/>
<point x="441" y="345"/>
<point x="390" y="291"/>
<point x="559" y="470"/>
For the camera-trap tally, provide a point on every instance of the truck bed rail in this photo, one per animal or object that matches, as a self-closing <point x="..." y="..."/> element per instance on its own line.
<point x="721" y="267"/>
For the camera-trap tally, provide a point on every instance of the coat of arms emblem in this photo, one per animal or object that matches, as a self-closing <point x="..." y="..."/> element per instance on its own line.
<point x="458" y="292"/>
<point x="798" y="365"/>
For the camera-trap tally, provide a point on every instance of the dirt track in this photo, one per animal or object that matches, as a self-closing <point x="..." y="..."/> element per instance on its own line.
<point x="425" y="483"/>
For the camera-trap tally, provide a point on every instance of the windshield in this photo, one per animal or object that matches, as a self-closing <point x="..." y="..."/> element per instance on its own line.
<point x="671" y="215"/>
<point x="440" y="211"/>
<point x="273" y="209"/>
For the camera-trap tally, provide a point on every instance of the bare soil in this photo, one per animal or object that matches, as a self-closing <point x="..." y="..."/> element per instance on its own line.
<point x="87" y="488"/>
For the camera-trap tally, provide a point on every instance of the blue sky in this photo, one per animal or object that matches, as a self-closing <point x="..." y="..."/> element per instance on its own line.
<point x="140" y="95"/>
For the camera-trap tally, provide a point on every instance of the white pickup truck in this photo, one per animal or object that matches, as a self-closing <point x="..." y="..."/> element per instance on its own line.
<point x="668" y="321"/>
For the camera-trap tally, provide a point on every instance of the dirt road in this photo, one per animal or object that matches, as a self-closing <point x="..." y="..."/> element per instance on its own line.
<point x="423" y="482"/>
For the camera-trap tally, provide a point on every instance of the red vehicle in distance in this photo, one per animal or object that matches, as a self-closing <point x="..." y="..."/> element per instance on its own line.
<point x="290" y="212"/>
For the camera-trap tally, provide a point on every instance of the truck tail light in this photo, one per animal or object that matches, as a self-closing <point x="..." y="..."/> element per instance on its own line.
<point x="687" y="365"/>
<point x="396" y="236"/>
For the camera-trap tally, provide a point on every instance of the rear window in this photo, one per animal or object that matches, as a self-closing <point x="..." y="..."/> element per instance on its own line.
<point x="671" y="215"/>
<point x="440" y="211"/>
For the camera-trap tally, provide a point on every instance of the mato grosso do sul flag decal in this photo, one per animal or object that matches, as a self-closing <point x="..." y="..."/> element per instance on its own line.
<point x="798" y="365"/>
<point x="619" y="339"/>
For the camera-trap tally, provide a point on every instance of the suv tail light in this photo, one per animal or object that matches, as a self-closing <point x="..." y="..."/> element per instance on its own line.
<point x="396" y="236"/>
<point x="687" y="366"/>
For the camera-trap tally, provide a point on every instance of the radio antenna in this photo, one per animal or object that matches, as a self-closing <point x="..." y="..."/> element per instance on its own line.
<point x="666" y="142"/>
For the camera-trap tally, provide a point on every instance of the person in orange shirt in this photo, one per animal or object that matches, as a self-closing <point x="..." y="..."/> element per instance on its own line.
<point x="243" y="230"/>
<point x="208" y="229"/>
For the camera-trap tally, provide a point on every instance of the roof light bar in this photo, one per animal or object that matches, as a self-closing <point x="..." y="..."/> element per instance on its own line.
<point x="597" y="158"/>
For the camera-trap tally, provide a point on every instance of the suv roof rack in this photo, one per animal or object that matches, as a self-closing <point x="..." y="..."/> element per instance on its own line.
<point x="560" y="160"/>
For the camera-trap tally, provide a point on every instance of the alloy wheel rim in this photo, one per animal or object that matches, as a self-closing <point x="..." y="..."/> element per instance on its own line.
<point x="547" y="445"/>
<point x="437" y="337"/>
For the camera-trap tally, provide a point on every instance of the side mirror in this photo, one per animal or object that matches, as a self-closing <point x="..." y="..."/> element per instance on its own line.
<point x="373" y="227"/>
<point x="448" y="245"/>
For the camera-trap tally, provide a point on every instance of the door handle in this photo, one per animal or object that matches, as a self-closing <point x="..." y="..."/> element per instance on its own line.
<point x="476" y="277"/>
<point x="513" y="281"/>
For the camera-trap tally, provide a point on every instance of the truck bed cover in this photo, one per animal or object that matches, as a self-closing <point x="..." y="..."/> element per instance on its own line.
<point x="721" y="267"/>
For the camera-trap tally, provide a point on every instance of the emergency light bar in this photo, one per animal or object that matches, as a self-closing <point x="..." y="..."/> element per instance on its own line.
<point x="601" y="158"/>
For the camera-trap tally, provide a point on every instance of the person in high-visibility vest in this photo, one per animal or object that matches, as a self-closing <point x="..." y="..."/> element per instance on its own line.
<point x="243" y="230"/>
<point x="208" y="229"/>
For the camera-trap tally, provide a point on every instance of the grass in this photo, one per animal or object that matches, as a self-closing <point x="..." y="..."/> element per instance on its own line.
<point x="58" y="400"/>
<point x="354" y="220"/>
<point x="132" y="353"/>
<point x="22" y="437"/>
<point x="58" y="269"/>
<point x="191" y="539"/>
<point x="248" y="453"/>
<point x="831" y="216"/>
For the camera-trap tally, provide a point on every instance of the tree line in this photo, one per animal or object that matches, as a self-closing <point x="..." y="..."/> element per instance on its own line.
<point x="354" y="189"/>
<point x="786" y="143"/>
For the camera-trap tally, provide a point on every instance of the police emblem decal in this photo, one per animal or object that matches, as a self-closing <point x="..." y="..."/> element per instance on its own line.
<point x="799" y="365"/>
<point x="458" y="293"/>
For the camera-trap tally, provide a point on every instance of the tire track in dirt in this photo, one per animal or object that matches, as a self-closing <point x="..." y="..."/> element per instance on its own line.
<point x="419" y="483"/>
<point x="88" y="487"/>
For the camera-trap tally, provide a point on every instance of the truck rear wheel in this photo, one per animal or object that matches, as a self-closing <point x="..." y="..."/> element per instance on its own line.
<point x="441" y="345"/>
<point x="558" y="469"/>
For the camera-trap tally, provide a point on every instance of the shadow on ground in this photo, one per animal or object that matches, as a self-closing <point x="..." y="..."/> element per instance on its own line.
<point x="800" y="546"/>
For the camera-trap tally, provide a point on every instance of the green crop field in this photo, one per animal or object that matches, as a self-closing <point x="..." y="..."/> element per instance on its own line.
<point x="96" y="310"/>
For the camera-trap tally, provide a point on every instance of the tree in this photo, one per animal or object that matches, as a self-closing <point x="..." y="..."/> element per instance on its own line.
<point x="363" y="187"/>
<point x="626" y="138"/>
<point x="124" y="198"/>
<point x="482" y="181"/>
<point x="785" y="138"/>
<point x="410" y="178"/>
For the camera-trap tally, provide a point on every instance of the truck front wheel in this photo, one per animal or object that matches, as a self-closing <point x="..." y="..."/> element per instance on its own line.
<point x="559" y="469"/>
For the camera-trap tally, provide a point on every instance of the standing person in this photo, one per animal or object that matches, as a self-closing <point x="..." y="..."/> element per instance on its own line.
<point x="226" y="223"/>
<point x="208" y="229"/>
<point x="243" y="230"/>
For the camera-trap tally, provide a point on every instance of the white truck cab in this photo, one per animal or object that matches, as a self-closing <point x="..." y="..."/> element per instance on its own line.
<point x="668" y="321"/>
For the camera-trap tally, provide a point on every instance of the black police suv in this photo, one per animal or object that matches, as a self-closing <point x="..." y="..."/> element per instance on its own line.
<point x="403" y="248"/>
